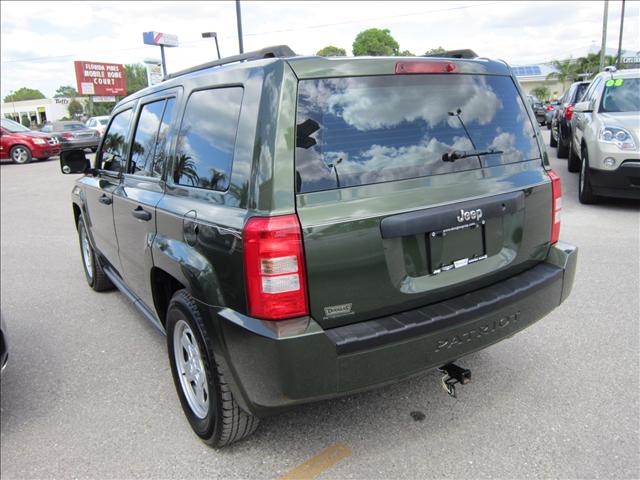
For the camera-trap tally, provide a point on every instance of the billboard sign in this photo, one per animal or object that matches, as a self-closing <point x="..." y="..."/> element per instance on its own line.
<point x="102" y="79"/>
<point x="154" y="72"/>
<point x="160" y="39"/>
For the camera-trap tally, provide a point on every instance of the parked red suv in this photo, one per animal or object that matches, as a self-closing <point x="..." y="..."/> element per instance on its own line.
<point x="20" y="144"/>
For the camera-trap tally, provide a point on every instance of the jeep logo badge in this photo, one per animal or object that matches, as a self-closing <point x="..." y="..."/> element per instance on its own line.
<point x="466" y="215"/>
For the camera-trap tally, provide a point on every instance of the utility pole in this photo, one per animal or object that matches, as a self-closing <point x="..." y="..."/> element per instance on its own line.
<point x="603" y="45"/>
<point x="239" y="18"/>
<point x="620" y="39"/>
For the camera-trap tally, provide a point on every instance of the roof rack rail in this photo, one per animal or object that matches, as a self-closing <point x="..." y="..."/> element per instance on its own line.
<point x="464" y="53"/>
<point x="278" y="51"/>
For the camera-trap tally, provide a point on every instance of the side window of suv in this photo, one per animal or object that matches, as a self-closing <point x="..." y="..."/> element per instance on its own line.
<point x="206" y="142"/>
<point x="152" y="139"/>
<point x="115" y="141"/>
<point x="144" y="139"/>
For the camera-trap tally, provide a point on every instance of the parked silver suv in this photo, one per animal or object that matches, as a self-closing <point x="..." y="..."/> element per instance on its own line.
<point x="606" y="136"/>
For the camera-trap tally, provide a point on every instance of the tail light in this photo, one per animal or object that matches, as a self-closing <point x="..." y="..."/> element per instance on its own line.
<point x="274" y="267"/>
<point x="67" y="135"/>
<point x="556" y="206"/>
<point x="568" y="111"/>
<point x="549" y="108"/>
<point x="425" y="67"/>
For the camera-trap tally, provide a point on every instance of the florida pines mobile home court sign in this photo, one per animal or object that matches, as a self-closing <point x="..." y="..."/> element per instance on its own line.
<point x="101" y="79"/>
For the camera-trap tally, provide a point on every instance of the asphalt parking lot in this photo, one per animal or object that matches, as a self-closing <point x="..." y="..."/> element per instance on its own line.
<point x="88" y="390"/>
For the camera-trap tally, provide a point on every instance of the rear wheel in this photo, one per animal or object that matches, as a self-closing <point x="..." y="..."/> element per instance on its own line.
<point x="206" y="399"/>
<point x="585" y="192"/>
<point x="96" y="278"/>
<point x="573" y="164"/>
<point x="20" y="154"/>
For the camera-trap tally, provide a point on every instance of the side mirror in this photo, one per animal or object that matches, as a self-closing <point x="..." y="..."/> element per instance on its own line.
<point x="584" y="107"/>
<point x="74" y="161"/>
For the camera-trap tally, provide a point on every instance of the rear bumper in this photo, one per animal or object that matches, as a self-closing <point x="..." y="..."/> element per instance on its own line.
<point x="72" y="145"/>
<point x="274" y="365"/>
<point x="623" y="182"/>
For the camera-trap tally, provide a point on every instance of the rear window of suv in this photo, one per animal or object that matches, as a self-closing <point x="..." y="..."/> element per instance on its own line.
<point x="364" y="130"/>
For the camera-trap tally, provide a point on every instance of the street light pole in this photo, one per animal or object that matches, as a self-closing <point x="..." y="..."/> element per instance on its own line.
<point x="620" y="39"/>
<point x="239" y="18"/>
<point x="213" y="35"/>
<point x="603" y="45"/>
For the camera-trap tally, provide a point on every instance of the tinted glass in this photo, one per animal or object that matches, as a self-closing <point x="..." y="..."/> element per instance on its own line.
<point x="62" y="127"/>
<point x="114" y="145"/>
<point x="144" y="141"/>
<point x="207" y="137"/>
<point x="103" y="121"/>
<point x="580" y="89"/>
<point x="621" y="95"/>
<point x="363" y="130"/>
<point x="165" y="136"/>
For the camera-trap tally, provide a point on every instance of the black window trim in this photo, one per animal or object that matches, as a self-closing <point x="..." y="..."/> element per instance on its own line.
<point x="169" y="169"/>
<point x="165" y="95"/>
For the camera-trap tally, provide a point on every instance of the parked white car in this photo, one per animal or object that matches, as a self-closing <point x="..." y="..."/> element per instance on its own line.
<point x="98" y="123"/>
<point x="605" y="139"/>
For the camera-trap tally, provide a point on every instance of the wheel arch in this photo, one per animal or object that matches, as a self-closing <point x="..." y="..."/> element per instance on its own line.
<point x="163" y="287"/>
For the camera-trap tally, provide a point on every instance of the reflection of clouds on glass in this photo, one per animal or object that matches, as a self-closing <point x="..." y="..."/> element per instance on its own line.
<point x="348" y="100"/>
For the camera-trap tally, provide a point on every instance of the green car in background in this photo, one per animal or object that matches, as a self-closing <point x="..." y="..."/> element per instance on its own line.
<point x="303" y="227"/>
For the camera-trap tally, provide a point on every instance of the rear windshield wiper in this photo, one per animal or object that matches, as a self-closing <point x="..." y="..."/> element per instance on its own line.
<point x="458" y="154"/>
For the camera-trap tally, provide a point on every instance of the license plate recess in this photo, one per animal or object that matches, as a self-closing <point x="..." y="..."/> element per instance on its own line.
<point x="456" y="247"/>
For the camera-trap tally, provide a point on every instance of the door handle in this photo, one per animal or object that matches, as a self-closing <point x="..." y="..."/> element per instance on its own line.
<point x="105" y="200"/>
<point x="141" y="214"/>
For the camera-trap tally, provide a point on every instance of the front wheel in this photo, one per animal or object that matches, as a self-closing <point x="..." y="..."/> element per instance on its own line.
<point x="206" y="399"/>
<point x="585" y="191"/>
<point x="96" y="278"/>
<point x="573" y="163"/>
<point x="20" y="154"/>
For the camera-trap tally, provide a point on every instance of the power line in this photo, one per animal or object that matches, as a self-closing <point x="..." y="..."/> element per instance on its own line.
<point x="308" y="27"/>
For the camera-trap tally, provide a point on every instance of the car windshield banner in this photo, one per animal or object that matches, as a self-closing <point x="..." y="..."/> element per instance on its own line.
<point x="102" y="79"/>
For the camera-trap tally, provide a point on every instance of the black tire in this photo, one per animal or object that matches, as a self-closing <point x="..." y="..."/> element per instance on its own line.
<point x="563" y="150"/>
<point x="548" y="125"/>
<point x="552" y="140"/>
<point x="93" y="272"/>
<point x="573" y="162"/>
<point x="585" y="191"/>
<point x="94" y="150"/>
<point x="42" y="159"/>
<point x="224" y="421"/>
<point x="20" y="154"/>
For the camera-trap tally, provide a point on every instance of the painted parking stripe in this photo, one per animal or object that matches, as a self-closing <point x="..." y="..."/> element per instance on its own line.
<point x="318" y="463"/>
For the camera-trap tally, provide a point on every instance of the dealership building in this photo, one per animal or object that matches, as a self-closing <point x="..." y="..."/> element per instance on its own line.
<point x="37" y="112"/>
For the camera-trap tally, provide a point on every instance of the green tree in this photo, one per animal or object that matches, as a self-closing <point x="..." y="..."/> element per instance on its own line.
<point x="24" y="93"/>
<point x="75" y="108"/>
<point x="590" y="65"/>
<point x="98" y="109"/>
<point x="136" y="77"/>
<point x="433" y="51"/>
<point x="331" y="51"/>
<point x="406" y="53"/>
<point x="375" y="42"/>
<point x="65" y="91"/>
<point x="542" y="92"/>
<point x="565" y="71"/>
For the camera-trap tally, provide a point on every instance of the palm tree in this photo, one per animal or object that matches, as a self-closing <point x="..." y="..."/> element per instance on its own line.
<point x="565" y="71"/>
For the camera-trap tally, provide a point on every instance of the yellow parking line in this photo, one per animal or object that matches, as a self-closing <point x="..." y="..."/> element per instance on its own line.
<point x="318" y="463"/>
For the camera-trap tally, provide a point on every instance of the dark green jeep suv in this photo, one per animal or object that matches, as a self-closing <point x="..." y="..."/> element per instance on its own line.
<point x="304" y="228"/>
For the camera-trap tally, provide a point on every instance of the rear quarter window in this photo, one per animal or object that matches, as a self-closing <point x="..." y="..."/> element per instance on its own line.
<point x="364" y="130"/>
<point x="204" y="152"/>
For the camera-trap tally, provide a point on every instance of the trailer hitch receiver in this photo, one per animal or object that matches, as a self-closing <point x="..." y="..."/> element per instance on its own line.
<point x="453" y="374"/>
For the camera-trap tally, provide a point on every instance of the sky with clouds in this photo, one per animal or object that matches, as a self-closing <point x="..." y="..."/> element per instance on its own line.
<point x="40" y="40"/>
